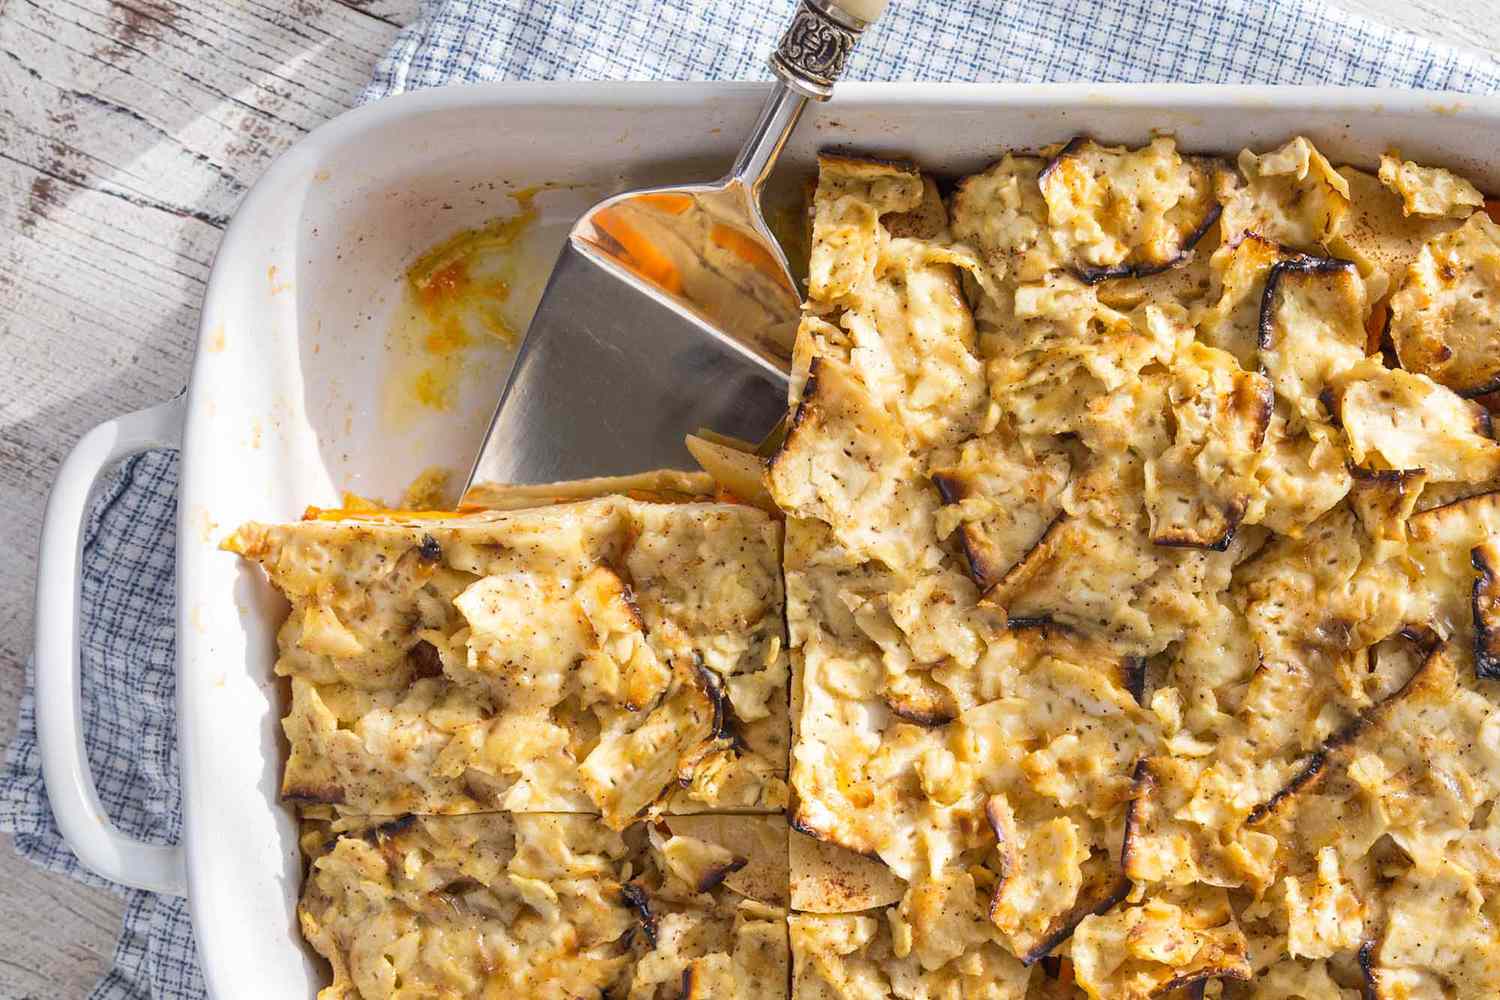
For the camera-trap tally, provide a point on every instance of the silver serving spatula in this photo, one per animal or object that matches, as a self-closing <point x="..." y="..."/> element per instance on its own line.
<point x="669" y="309"/>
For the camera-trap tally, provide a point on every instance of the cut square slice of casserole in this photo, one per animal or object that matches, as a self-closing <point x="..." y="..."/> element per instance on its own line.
<point x="611" y="656"/>
<point x="548" y="905"/>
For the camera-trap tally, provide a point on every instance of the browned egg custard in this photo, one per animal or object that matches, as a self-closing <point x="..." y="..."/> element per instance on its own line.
<point x="1119" y="618"/>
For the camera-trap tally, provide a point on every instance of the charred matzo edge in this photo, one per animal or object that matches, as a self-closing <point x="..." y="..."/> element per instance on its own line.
<point x="723" y="724"/>
<point x="694" y="985"/>
<point x="1476" y="973"/>
<point x="1308" y="774"/>
<point x="1224" y="963"/>
<point x="1198" y="981"/>
<point x="1257" y="407"/>
<point x="928" y="218"/>
<point x="1387" y="491"/>
<point x="1142" y="782"/>
<point x="1314" y="766"/>
<point x="313" y="795"/>
<point x="1233" y="513"/>
<point x="1096" y="275"/>
<point x="1071" y="147"/>
<point x="1130" y="671"/>
<point x="759" y="867"/>
<point x="1103" y="898"/>
<point x="1028" y="566"/>
<point x="1366" y="958"/>
<point x="1093" y="900"/>
<point x="1478" y="371"/>
<point x="304" y="781"/>
<point x="714" y="876"/>
<point x="1486" y="603"/>
<point x="1301" y="264"/>
<point x="984" y="572"/>
<point x="981" y="555"/>
<point x="1425" y="638"/>
<point x="953" y="491"/>
<point x="390" y="828"/>
<point x="796" y="822"/>
<point x="710" y="876"/>
<point x="1429" y="521"/>
<point x="804" y="414"/>
<point x="859" y="163"/>
<point x="634" y="896"/>
<point x="926" y="717"/>
<point x="1133" y="677"/>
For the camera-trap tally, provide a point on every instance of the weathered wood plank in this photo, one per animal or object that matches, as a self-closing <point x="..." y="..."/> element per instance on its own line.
<point x="1470" y="24"/>
<point x="191" y="99"/>
<point x="396" y="12"/>
<point x="50" y="925"/>
<point x="119" y="167"/>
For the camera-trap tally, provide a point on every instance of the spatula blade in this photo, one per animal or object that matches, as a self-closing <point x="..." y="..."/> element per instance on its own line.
<point x="610" y="378"/>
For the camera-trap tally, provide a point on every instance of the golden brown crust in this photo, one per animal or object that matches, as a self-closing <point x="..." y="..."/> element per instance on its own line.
<point x="1103" y="897"/>
<point x="1186" y="215"/>
<point x="1443" y="314"/>
<point x="1288" y="270"/>
<point x="864" y="166"/>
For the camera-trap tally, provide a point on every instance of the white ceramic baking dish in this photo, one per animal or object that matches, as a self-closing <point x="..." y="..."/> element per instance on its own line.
<point x="285" y="401"/>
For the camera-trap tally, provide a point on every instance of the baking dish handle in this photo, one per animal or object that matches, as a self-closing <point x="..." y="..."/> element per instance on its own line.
<point x="97" y="842"/>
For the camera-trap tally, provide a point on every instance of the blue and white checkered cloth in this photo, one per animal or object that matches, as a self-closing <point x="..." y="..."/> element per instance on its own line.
<point x="128" y="555"/>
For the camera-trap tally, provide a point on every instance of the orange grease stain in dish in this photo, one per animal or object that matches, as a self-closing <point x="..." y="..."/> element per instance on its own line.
<point x="352" y="506"/>
<point x="379" y="514"/>
<point x="459" y="312"/>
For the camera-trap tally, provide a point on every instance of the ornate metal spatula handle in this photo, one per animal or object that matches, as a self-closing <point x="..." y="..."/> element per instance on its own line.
<point x="816" y="45"/>
<point x="810" y="57"/>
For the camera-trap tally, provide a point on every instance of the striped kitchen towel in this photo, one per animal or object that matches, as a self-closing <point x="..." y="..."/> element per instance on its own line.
<point x="127" y="561"/>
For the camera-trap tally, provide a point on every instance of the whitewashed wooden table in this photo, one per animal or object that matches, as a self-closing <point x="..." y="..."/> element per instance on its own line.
<point x="129" y="130"/>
